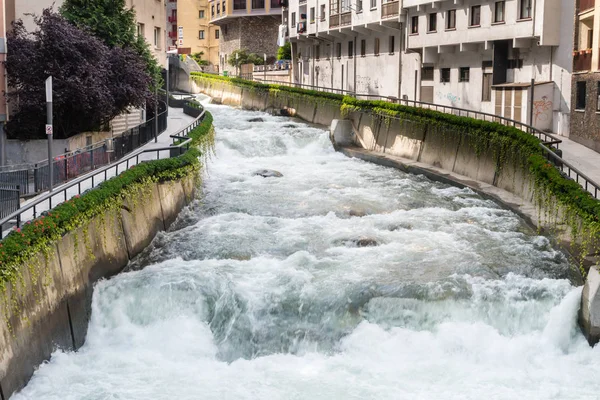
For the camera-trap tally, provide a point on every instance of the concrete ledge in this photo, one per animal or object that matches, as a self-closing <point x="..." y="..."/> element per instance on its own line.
<point x="142" y="218"/>
<point x="589" y="314"/>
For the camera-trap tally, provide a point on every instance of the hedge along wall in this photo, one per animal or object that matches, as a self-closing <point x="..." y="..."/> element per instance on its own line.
<point x="48" y="268"/>
<point x="489" y="152"/>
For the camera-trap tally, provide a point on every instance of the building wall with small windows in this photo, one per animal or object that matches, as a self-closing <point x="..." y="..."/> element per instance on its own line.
<point x="192" y="21"/>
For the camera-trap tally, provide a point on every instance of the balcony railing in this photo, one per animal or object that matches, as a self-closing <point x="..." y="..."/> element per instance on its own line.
<point x="334" y="20"/>
<point x="586" y="5"/>
<point x="582" y="60"/>
<point x="173" y="18"/>
<point x="390" y="9"/>
<point x="346" y="19"/>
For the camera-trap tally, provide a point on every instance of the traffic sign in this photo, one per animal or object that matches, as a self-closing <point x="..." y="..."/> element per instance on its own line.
<point x="48" y="129"/>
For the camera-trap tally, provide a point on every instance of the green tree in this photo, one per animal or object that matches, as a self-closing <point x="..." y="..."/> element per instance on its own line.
<point x="243" y="57"/>
<point x="198" y="58"/>
<point x="285" y="52"/>
<point x="113" y="23"/>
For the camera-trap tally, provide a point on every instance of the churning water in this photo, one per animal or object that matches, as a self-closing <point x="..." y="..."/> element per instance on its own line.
<point x="339" y="280"/>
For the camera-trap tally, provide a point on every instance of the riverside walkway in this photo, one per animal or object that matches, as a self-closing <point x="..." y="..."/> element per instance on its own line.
<point x="583" y="158"/>
<point x="176" y="121"/>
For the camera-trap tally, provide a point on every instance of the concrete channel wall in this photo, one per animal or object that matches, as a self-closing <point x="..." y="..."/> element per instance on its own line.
<point x="49" y="305"/>
<point x="439" y="152"/>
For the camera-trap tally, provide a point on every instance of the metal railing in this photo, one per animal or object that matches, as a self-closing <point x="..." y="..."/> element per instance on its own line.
<point x="582" y="61"/>
<point x="334" y="20"/>
<point x="81" y="184"/>
<point x="390" y="9"/>
<point x="549" y="143"/>
<point x="10" y="200"/>
<point x="345" y="19"/>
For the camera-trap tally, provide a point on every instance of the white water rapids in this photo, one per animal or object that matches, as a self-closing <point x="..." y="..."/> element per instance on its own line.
<point x="261" y="291"/>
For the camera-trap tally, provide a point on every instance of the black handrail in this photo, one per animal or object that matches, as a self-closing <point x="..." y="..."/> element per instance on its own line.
<point x="62" y="190"/>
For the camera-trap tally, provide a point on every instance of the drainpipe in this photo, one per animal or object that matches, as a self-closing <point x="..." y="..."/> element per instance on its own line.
<point x="400" y="51"/>
<point x="355" y="57"/>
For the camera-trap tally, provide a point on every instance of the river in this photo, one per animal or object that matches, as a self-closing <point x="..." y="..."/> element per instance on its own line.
<point x="339" y="280"/>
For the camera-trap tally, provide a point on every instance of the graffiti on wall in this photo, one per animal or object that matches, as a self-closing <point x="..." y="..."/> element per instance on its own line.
<point x="542" y="110"/>
<point x="451" y="97"/>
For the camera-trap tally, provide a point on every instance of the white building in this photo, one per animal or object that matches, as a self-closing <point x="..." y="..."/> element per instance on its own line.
<point x="474" y="54"/>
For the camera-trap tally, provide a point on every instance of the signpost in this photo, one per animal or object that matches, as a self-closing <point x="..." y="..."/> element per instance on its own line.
<point x="49" y="131"/>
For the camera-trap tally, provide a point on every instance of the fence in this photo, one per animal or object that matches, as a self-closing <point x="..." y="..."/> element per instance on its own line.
<point x="9" y="199"/>
<point x="33" y="179"/>
<point x="79" y="185"/>
<point x="192" y="110"/>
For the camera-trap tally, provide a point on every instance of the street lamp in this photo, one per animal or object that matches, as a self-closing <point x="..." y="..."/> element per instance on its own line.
<point x="265" y="66"/>
<point x="49" y="131"/>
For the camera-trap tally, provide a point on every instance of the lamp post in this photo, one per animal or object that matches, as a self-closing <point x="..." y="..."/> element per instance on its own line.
<point x="265" y="67"/>
<point x="237" y="66"/>
<point x="49" y="131"/>
<point x="156" y="115"/>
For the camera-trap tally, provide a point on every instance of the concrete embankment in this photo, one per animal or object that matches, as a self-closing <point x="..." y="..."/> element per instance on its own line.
<point x="440" y="152"/>
<point x="49" y="305"/>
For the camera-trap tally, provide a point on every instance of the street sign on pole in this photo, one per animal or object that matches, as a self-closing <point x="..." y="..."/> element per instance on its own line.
<point x="49" y="132"/>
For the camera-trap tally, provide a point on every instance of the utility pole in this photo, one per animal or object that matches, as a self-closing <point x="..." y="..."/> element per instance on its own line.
<point x="49" y="132"/>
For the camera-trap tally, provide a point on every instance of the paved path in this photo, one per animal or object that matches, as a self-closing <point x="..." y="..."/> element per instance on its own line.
<point x="176" y="122"/>
<point x="583" y="158"/>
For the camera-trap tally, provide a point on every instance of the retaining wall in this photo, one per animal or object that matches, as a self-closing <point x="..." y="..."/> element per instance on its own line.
<point x="49" y="305"/>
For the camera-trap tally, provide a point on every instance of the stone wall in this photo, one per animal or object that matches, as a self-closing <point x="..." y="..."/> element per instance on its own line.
<point x="585" y="124"/>
<point x="49" y="305"/>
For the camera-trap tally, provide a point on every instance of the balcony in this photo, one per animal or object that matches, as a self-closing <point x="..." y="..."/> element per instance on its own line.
<point x="582" y="60"/>
<point x="276" y="3"/>
<point x="340" y="20"/>
<point x="173" y="35"/>
<point x="586" y="5"/>
<point x="173" y="19"/>
<point x="390" y="9"/>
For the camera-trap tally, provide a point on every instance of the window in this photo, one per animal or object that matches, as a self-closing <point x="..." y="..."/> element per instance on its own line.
<point x="414" y="25"/>
<point x="392" y="44"/>
<point x="201" y="14"/>
<point x="223" y="8"/>
<point x="293" y="20"/>
<point x="217" y="33"/>
<point x="318" y="52"/>
<point x="598" y="98"/>
<point x="239" y="4"/>
<point x="427" y="74"/>
<point x="376" y="48"/>
<point x="157" y="37"/>
<point x="350" y="49"/>
<point x="322" y="12"/>
<point x="499" y="12"/>
<point x="363" y="48"/>
<point x="444" y="75"/>
<point x="525" y="9"/>
<point x="312" y="15"/>
<point x="212" y="10"/>
<point x="201" y="35"/>
<point x="451" y="19"/>
<point x="338" y="50"/>
<point x="373" y="4"/>
<point x="580" y="100"/>
<point x="590" y="38"/>
<point x="218" y="8"/>
<point x="486" y="95"/>
<point x="258" y="4"/>
<point x="358" y="6"/>
<point x="432" y="27"/>
<point x="140" y="30"/>
<point x="475" y="16"/>
<point x="464" y="74"/>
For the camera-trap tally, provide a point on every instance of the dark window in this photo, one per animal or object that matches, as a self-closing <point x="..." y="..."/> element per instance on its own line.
<point x="499" y="12"/>
<point x="218" y="8"/>
<point x="373" y="4"/>
<point x="358" y="6"/>
<point x="475" y="16"/>
<point x="293" y="20"/>
<point x="217" y="32"/>
<point x="464" y="74"/>
<point x="322" y="12"/>
<point x="432" y="27"/>
<point x="486" y="95"/>
<point x="350" y="49"/>
<point x="201" y="14"/>
<point x="338" y="50"/>
<point x="212" y="10"/>
<point x="525" y="9"/>
<point x="414" y="24"/>
<point x="580" y="101"/>
<point x="318" y="52"/>
<point x="258" y="4"/>
<point x="451" y="19"/>
<point x="239" y="4"/>
<point x="376" y="47"/>
<point x="312" y="15"/>
<point x="201" y="35"/>
<point x="598" y="97"/>
<point x="427" y="73"/>
<point x="590" y="39"/>
<point x="363" y="47"/>
<point x="223" y="7"/>
<point x="444" y="75"/>
<point x="392" y="44"/>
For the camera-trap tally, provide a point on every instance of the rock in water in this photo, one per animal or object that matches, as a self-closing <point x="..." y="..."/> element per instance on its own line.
<point x="268" y="173"/>
<point x="366" y="242"/>
<point x="257" y="119"/>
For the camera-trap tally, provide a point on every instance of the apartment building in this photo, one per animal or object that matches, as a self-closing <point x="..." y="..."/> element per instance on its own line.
<point x="480" y="55"/>
<point x="150" y="16"/>
<point x="3" y="105"/>
<point x="585" y="118"/>
<point x="194" y="31"/>
<point x="251" y="25"/>
<point x="171" y="24"/>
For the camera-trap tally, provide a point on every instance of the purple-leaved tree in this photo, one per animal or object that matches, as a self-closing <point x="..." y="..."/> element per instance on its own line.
<point x="92" y="82"/>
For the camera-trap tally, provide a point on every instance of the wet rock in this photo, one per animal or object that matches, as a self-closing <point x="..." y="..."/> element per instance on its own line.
<point x="366" y="242"/>
<point x="257" y="119"/>
<point x="268" y="173"/>
<point x="357" y="213"/>
<point x="290" y="126"/>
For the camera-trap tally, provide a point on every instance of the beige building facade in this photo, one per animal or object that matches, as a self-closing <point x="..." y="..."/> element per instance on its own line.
<point x="150" y="16"/>
<point x="195" y="33"/>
